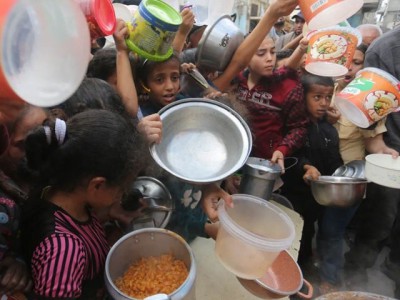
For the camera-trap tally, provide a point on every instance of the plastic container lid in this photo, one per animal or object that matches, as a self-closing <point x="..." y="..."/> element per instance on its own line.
<point x="105" y="16"/>
<point x="163" y="12"/>
<point x="257" y="239"/>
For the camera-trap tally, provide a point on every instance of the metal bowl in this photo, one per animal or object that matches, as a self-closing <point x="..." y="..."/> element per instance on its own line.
<point x="218" y="44"/>
<point x="338" y="191"/>
<point x="354" y="169"/>
<point x="144" y="243"/>
<point x="203" y="140"/>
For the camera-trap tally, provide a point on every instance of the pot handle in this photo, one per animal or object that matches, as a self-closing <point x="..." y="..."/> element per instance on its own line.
<point x="295" y="161"/>
<point x="310" y="290"/>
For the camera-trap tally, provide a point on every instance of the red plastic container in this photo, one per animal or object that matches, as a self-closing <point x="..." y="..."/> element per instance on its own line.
<point x="100" y="17"/>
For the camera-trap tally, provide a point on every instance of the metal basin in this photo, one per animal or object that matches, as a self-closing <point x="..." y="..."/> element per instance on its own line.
<point x="338" y="191"/>
<point x="144" y="243"/>
<point x="354" y="169"/>
<point x="218" y="44"/>
<point x="203" y="140"/>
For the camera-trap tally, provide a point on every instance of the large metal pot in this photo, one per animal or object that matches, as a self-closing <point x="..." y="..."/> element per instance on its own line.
<point x="352" y="296"/>
<point x="144" y="243"/>
<point x="259" y="177"/>
<point x="338" y="191"/>
<point x="218" y="44"/>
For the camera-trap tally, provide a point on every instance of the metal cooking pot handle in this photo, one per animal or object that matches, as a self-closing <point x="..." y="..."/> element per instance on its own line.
<point x="296" y="160"/>
<point x="310" y="290"/>
<point x="158" y="297"/>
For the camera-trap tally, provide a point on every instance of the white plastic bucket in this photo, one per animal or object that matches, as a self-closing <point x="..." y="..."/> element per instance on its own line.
<point x="251" y="235"/>
<point x="331" y="50"/>
<point x="371" y="96"/>
<point x="44" y="50"/>
<point x="324" y="13"/>
<point x="383" y="169"/>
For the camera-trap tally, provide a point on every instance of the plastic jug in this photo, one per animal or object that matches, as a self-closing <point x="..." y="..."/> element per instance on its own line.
<point x="44" y="48"/>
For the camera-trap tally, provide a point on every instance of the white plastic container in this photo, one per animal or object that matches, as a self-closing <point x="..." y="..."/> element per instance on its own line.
<point x="383" y="169"/>
<point x="251" y="235"/>
<point x="44" y="50"/>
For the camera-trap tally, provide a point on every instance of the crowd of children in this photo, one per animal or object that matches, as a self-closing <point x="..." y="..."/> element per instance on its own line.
<point x="64" y="170"/>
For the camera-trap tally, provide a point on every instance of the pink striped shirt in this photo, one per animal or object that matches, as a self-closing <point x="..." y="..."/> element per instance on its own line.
<point x="69" y="257"/>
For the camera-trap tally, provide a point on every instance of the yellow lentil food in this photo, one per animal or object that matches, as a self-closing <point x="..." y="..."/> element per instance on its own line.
<point x="153" y="275"/>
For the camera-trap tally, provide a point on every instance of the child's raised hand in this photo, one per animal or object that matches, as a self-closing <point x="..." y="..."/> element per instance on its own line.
<point x="303" y="44"/>
<point x="187" y="20"/>
<point x="151" y="127"/>
<point x="311" y="173"/>
<point x="121" y="33"/>
<point x="279" y="8"/>
<point x="187" y="67"/>
<point x="332" y="115"/>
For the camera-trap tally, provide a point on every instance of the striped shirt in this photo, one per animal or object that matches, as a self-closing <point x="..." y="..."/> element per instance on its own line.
<point x="69" y="257"/>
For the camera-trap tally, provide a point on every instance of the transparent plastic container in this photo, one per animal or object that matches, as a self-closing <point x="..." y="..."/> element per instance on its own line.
<point x="251" y="235"/>
<point x="44" y="50"/>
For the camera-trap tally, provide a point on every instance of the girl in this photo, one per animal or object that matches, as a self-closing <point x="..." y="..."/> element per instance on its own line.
<point x="275" y="101"/>
<point x="84" y="164"/>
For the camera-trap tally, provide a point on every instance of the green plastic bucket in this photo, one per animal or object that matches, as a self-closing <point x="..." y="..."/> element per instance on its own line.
<point x="153" y="29"/>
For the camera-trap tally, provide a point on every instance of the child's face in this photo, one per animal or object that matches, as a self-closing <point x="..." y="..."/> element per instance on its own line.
<point x="263" y="62"/>
<point x="164" y="81"/>
<point x="318" y="100"/>
<point x="357" y="64"/>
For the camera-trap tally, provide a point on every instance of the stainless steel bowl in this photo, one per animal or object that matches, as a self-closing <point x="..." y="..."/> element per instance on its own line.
<point x="218" y="44"/>
<point x="354" y="169"/>
<point x="203" y="140"/>
<point x="338" y="191"/>
<point x="144" y="243"/>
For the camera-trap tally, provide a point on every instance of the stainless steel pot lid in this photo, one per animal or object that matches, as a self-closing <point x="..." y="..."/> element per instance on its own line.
<point x="158" y="200"/>
<point x="263" y="165"/>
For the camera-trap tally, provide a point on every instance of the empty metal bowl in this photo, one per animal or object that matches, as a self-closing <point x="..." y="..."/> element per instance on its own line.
<point x="354" y="169"/>
<point x="338" y="191"/>
<point x="203" y="140"/>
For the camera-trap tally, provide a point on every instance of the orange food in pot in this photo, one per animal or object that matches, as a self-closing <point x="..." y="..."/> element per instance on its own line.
<point x="153" y="275"/>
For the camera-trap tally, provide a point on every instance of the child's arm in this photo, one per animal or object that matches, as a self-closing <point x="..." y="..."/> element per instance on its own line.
<point x="125" y="83"/>
<point x="376" y="144"/>
<point x="293" y="43"/>
<point x="294" y="60"/>
<point x="184" y="29"/>
<point x="246" y="50"/>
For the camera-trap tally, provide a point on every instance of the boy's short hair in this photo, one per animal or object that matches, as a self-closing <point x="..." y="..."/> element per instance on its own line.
<point x="309" y="80"/>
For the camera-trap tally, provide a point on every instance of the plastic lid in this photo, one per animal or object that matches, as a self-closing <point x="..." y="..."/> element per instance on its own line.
<point x="249" y="237"/>
<point x="105" y="16"/>
<point x="163" y="11"/>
